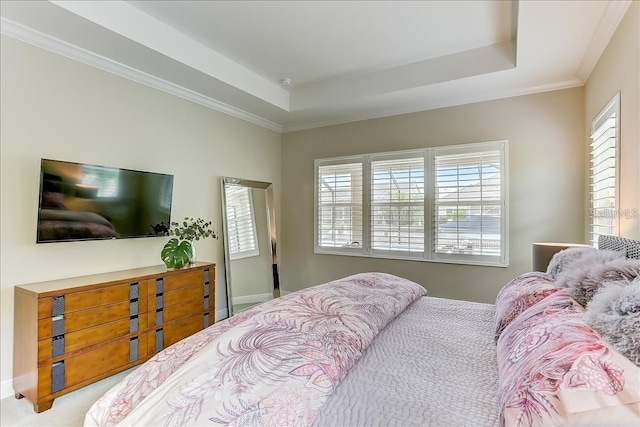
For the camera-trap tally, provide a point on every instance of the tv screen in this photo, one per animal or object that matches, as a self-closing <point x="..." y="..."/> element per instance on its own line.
<point x="88" y="202"/>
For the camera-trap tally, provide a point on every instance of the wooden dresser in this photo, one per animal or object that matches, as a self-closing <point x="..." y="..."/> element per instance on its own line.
<point x="73" y="332"/>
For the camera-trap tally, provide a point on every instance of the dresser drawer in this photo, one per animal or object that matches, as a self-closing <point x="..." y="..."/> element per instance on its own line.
<point x="83" y="300"/>
<point x="77" y="301"/>
<point x="183" y="280"/>
<point x="44" y="308"/>
<point x="88" y="337"/>
<point x="175" y="311"/>
<point x="180" y="295"/>
<point x="92" y="317"/>
<point x="175" y="297"/>
<point x="172" y="332"/>
<point x="183" y="309"/>
<point x="182" y="328"/>
<point x="83" y="367"/>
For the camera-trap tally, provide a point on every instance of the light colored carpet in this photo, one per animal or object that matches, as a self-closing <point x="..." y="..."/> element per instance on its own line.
<point x="67" y="410"/>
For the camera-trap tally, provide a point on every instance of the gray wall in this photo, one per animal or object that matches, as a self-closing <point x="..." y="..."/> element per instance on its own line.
<point x="56" y="108"/>
<point x="546" y="180"/>
<point x="618" y="70"/>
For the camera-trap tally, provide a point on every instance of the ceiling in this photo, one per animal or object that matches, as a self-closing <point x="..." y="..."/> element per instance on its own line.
<point x="289" y="65"/>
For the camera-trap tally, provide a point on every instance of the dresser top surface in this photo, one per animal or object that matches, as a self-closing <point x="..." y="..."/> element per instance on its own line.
<point x="42" y="288"/>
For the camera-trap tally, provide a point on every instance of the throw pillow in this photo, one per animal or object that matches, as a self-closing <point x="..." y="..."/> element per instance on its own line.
<point x="614" y="312"/>
<point x="584" y="277"/>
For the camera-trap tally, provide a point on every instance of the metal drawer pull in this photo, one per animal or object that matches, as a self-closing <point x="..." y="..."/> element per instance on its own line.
<point x="57" y="376"/>
<point x="133" y="349"/>
<point x="57" y="306"/>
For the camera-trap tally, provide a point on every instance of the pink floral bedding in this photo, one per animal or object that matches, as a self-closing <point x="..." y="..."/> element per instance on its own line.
<point x="519" y="294"/>
<point x="555" y="370"/>
<point x="275" y="364"/>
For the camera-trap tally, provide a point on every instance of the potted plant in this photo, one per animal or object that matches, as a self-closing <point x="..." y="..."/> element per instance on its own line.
<point x="180" y="251"/>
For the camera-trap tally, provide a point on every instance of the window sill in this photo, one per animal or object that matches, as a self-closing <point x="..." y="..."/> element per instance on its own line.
<point x="409" y="258"/>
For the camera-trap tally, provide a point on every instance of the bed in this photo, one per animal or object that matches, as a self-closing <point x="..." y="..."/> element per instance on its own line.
<point x="374" y="349"/>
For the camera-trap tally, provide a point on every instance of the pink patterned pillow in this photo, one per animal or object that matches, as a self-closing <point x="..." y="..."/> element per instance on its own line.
<point x="520" y="294"/>
<point x="555" y="370"/>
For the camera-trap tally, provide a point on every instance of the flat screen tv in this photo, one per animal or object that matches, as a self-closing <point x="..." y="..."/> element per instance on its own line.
<point x="89" y="202"/>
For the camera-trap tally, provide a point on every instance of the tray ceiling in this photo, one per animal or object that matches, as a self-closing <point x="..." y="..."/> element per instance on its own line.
<point x="346" y="61"/>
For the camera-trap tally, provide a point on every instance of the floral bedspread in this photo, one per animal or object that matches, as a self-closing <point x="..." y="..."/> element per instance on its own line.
<point x="275" y="364"/>
<point x="555" y="370"/>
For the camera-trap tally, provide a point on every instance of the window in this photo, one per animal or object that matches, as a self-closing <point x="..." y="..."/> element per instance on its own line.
<point x="397" y="204"/>
<point x="468" y="202"/>
<point x="603" y="171"/>
<point x="243" y="242"/>
<point x="339" y="214"/>
<point x="444" y="204"/>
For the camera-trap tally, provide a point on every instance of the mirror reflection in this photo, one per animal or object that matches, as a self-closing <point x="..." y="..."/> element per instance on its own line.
<point x="250" y="243"/>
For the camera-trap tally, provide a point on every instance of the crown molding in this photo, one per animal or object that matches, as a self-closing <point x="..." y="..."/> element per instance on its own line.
<point x="416" y="108"/>
<point x="76" y="53"/>
<point x="607" y="26"/>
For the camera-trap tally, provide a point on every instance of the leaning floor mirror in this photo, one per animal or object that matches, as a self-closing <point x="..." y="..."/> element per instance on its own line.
<point x="249" y="227"/>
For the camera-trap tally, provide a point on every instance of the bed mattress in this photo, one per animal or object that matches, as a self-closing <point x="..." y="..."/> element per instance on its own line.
<point x="435" y="364"/>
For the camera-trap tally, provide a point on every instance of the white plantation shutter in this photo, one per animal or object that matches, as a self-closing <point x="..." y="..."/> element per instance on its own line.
<point x="243" y="241"/>
<point x="445" y="204"/>
<point x="397" y="204"/>
<point x="339" y="205"/>
<point x="468" y="202"/>
<point x="603" y="172"/>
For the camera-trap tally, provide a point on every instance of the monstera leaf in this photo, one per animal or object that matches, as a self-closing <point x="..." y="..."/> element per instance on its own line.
<point x="176" y="254"/>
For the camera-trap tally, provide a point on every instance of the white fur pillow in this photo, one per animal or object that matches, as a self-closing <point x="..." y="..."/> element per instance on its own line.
<point x="586" y="275"/>
<point x="561" y="260"/>
<point x="614" y="312"/>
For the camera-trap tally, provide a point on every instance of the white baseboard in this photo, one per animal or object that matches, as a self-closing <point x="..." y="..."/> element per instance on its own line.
<point x="249" y="299"/>
<point x="283" y="292"/>
<point x="6" y="389"/>
<point x="222" y="314"/>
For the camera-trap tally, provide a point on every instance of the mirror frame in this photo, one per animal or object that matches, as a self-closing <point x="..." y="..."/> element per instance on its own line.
<point x="271" y="228"/>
